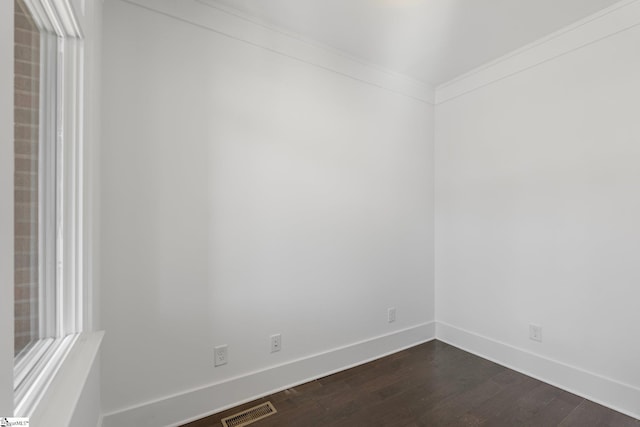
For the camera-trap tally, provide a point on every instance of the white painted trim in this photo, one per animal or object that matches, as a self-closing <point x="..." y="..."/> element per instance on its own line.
<point x="606" y="391"/>
<point x="191" y="405"/>
<point x="238" y="27"/>
<point x="57" y="406"/>
<point x="608" y="22"/>
<point x="88" y="407"/>
<point x="28" y="396"/>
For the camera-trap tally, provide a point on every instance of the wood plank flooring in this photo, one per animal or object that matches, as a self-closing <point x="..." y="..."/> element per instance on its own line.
<point x="433" y="384"/>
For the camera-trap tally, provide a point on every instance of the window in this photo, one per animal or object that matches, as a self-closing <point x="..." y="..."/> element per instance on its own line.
<point x="47" y="195"/>
<point x="26" y="148"/>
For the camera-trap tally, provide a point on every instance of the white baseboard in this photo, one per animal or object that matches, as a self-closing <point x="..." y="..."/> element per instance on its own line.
<point x="194" y="404"/>
<point x="608" y="392"/>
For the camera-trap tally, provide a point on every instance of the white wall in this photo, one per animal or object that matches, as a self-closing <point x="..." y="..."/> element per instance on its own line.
<point x="6" y="208"/>
<point x="537" y="213"/>
<point x="246" y="192"/>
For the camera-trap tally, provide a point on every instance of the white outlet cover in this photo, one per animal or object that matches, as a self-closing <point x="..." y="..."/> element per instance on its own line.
<point x="276" y="343"/>
<point x="220" y="355"/>
<point x="535" y="333"/>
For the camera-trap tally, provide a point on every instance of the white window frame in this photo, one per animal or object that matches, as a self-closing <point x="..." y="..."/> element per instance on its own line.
<point x="63" y="314"/>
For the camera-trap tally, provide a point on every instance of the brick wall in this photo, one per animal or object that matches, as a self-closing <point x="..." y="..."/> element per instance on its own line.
<point x="27" y="71"/>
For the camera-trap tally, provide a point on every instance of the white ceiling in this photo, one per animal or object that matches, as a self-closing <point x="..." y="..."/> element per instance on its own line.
<point x="429" y="40"/>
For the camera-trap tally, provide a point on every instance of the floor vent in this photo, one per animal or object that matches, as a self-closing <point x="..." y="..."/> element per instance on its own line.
<point x="250" y="415"/>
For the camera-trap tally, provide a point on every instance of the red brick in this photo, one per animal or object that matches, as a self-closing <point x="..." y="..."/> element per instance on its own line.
<point x="25" y="212"/>
<point x="22" y="309"/>
<point x="22" y="164"/>
<point x="26" y="37"/>
<point x="22" y="131"/>
<point x="26" y="100"/>
<point x="23" y="229"/>
<point x="22" y="324"/>
<point x="27" y="68"/>
<point x="26" y="83"/>
<point x="22" y="22"/>
<point x="25" y="196"/>
<point x="26" y="180"/>
<point x="27" y="148"/>
<point x="24" y="279"/>
<point x="24" y="261"/>
<point x="26" y="107"/>
<point x="27" y="115"/>
<point x="26" y="53"/>
<point x="22" y="17"/>
<point x="25" y="244"/>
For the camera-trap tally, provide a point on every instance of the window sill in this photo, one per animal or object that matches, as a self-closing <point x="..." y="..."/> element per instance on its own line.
<point x="57" y="406"/>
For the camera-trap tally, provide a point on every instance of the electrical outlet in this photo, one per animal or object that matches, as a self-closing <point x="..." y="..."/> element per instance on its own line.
<point x="391" y="315"/>
<point x="220" y="355"/>
<point x="535" y="333"/>
<point x="276" y="343"/>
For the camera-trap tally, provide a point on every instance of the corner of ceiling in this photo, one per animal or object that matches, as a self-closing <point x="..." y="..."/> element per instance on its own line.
<point x="612" y="20"/>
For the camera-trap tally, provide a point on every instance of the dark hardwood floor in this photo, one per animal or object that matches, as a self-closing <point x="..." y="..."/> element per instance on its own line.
<point x="433" y="384"/>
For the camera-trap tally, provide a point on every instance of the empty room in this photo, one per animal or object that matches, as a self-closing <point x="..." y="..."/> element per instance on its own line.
<point x="319" y="213"/>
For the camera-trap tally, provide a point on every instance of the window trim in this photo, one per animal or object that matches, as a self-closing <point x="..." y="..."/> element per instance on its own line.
<point x="61" y="204"/>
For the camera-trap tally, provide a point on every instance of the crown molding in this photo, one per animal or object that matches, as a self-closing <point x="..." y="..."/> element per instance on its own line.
<point x="620" y="17"/>
<point x="232" y="24"/>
